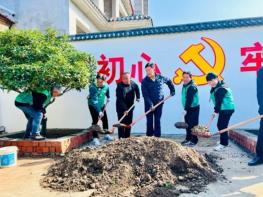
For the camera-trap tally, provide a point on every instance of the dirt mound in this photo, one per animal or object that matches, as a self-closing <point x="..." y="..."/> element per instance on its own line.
<point x="141" y="166"/>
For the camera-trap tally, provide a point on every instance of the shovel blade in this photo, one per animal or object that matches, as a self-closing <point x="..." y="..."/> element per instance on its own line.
<point x="96" y="128"/>
<point x="181" y="125"/>
<point x="121" y="125"/>
<point x="202" y="134"/>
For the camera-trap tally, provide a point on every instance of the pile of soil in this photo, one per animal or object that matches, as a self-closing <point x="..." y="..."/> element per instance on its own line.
<point x="138" y="166"/>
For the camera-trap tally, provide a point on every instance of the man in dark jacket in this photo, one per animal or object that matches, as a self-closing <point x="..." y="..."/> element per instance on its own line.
<point x="153" y="93"/>
<point x="223" y="100"/>
<point x="259" y="149"/>
<point x="190" y="101"/>
<point x="126" y="92"/>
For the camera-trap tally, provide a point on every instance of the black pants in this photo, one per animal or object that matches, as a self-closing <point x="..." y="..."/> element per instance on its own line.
<point x="222" y="123"/>
<point x="153" y="120"/>
<point x="125" y="132"/>
<point x="259" y="148"/>
<point x="192" y="119"/>
<point x="95" y="118"/>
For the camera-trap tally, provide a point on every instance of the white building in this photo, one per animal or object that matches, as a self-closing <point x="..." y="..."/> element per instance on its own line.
<point x="69" y="17"/>
<point x="6" y="18"/>
<point x="77" y="16"/>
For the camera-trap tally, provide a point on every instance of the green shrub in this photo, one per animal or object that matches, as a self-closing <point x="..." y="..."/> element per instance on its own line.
<point x="31" y="60"/>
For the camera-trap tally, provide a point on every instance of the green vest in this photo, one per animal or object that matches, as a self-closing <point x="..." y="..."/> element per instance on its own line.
<point x="98" y="95"/>
<point x="48" y="95"/>
<point x="228" y="101"/>
<point x="195" y="102"/>
<point x="25" y="97"/>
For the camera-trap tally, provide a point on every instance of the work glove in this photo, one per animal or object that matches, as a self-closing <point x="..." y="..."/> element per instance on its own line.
<point x="215" y="114"/>
<point x="101" y="114"/>
<point x="126" y="113"/>
<point x="152" y="109"/>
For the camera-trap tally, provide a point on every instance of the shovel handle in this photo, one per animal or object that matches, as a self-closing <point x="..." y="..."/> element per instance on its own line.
<point x="124" y="115"/>
<point x="149" y="111"/>
<point x="104" y="109"/>
<point x="239" y="124"/>
<point x="210" y="121"/>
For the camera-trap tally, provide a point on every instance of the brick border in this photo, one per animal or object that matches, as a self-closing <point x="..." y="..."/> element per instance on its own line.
<point x="49" y="146"/>
<point x="244" y="139"/>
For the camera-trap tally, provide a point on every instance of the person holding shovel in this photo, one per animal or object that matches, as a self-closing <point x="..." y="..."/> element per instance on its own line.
<point x="126" y="92"/>
<point x="153" y="92"/>
<point x="223" y="100"/>
<point x="190" y="101"/>
<point x="258" y="159"/>
<point x="98" y="92"/>
<point x="33" y="105"/>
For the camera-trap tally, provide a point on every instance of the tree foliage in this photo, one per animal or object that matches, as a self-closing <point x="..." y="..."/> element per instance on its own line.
<point x="31" y="60"/>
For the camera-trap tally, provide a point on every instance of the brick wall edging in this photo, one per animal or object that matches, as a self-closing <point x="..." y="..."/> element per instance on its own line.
<point x="243" y="140"/>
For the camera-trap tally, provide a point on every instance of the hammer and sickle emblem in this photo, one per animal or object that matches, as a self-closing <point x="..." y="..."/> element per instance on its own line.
<point x="193" y="54"/>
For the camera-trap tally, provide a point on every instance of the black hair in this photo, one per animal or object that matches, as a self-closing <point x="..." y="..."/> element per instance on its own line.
<point x="188" y="73"/>
<point x="150" y="64"/>
<point x="211" y="76"/>
<point x="101" y="76"/>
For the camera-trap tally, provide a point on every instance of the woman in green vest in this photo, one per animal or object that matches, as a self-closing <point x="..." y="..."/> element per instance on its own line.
<point x="190" y="101"/>
<point x="33" y="105"/>
<point x="224" y="107"/>
<point x="98" y="94"/>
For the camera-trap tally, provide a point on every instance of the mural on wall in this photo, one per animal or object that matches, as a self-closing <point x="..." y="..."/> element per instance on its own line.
<point x="110" y="66"/>
<point x="193" y="54"/>
<point x="253" y="58"/>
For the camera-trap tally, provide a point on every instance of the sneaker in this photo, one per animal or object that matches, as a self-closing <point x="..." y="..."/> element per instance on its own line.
<point x="37" y="137"/>
<point x="96" y="142"/>
<point x="184" y="142"/>
<point x="219" y="147"/>
<point x="108" y="137"/>
<point x="256" y="161"/>
<point x="190" y="144"/>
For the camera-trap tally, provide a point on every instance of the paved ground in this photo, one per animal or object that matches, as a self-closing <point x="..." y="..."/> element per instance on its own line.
<point x="23" y="180"/>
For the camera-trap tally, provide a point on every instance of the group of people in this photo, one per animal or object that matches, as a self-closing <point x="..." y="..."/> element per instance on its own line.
<point x="152" y="88"/>
<point x="33" y="105"/>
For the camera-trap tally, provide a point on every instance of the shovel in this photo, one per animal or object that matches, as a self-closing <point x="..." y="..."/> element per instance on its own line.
<point x="203" y="128"/>
<point x="143" y="115"/>
<point x="119" y="124"/>
<point x="208" y="134"/>
<point x="181" y="125"/>
<point x="97" y="127"/>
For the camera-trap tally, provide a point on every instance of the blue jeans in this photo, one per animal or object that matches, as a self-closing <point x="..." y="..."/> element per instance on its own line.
<point x="34" y="119"/>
